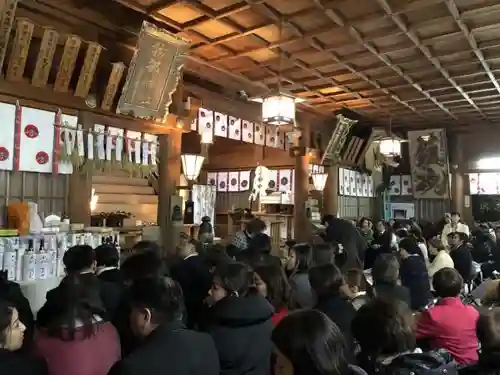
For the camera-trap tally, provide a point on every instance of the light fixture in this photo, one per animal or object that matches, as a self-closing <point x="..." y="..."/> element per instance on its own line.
<point x="278" y="108"/>
<point x="93" y="201"/>
<point x="488" y="163"/>
<point x="319" y="180"/>
<point x="191" y="165"/>
<point x="390" y="147"/>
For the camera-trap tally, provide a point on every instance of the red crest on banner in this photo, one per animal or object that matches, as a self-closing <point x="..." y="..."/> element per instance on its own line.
<point x="42" y="157"/>
<point x="31" y="131"/>
<point x="4" y="154"/>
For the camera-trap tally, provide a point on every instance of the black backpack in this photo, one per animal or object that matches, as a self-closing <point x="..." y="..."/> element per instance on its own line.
<point x="428" y="363"/>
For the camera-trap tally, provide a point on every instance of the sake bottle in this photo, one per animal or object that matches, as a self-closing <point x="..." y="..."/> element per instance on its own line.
<point x="29" y="263"/>
<point x="10" y="258"/>
<point x="42" y="262"/>
<point x="19" y="244"/>
<point x="2" y="249"/>
<point x="52" y="257"/>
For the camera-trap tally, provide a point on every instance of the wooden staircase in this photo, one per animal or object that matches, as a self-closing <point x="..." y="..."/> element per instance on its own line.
<point x="128" y="194"/>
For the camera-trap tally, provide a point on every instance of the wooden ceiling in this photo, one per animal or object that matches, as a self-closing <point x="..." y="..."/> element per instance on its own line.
<point x="420" y="62"/>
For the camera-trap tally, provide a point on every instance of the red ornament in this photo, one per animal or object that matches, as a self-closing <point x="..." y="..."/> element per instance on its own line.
<point x="31" y="131"/>
<point x="4" y="154"/>
<point x="42" y="157"/>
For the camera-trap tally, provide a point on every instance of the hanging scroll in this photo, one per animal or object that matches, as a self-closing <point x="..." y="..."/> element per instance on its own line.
<point x="338" y="138"/>
<point x="259" y="134"/>
<point x="234" y="128"/>
<point x="212" y="178"/>
<point x="220" y="129"/>
<point x="272" y="136"/>
<point x="247" y="134"/>
<point x="153" y="74"/>
<point x="395" y="188"/>
<point x="244" y="180"/>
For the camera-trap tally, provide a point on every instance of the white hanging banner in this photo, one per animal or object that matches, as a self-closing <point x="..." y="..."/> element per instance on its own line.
<point x="371" y="187"/>
<point x="134" y="146"/>
<point x="90" y="142"/>
<point x="292" y="181"/>
<point x="281" y="140"/>
<point x="222" y="181"/>
<point x="260" y="183"/>
<point x="194" y="124"/>
<point x="36" y="140"/>
<point x="349" y="182"/>
<point x="234" y="128"/>
<point x="220" y="127"/>
<point x="233" y="181"/>
<point x="273" y="180"/>
<point x="474" y="183"/>
<point x="152" y="142"/>
<point x="68" y="141"/>
<point x="406" y="187"/>
<point x="271" y="136"/>
<point x="341" y="181"/>
<point x="100" y="139"/>
<point x="7" y="136"/>
<point x="285" y="180"/>
<point x="259" y="134"/>
<point x="212" y="178"/>
<point x="206" y="125"/>
<point x="115" y="143"/>
<point x="364" y="184"/>
<point x="395" y="185"/>
<point x="359" y="184"/>
<point x="247" y="131"/>
<point x="244" y="180"/>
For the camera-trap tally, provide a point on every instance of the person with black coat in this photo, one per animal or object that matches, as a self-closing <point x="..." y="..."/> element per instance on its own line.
<point x="195" y="279"/>
<point x="385" y="274"/>
<point x="488" y="333"/>
<point x="12" y="330"/>
<point x="80" y="259"/>
<point x="327" y="282"/>
<point x="345" y="233"/>
<point x="258" y="252"/>
<point x="460" y="253"/>
<point x="166" y="346"/>
<point x="413" y="273"/>
<point x="107" y="261"/>
<point x="240" y="322"/>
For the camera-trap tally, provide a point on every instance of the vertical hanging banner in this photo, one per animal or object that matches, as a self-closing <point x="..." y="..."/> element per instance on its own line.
<point x="212" y="178"/>
<point x="36" y="140"/>
<point x="114" y="144"/>
<point x="341" y="181"/>
<point x="281" y="140"/>
<point x="133" y="142"/>
<point x="67" y="63"/>
<point x="7" y="16"/>
<point x="406" y="188"/>
<point x="151" y="141"/>
<point x="371" y="187"/>
<point x="359" y="184"/>
<point x="88" y="70"/>
<point x="347" y="182"/>
<point x="364" y="183"/>
<point x="45" y="57"/>
<point x="234" y="181"/>
<point x="247" y="131"/>
<point x="272" y="136"/>
<point x="474" y="183"/>
<point x="8" y="116"/>
<point x="20" y="49"/>
<point x="67" y="143"/>
<point x="273" y="180"/>
<point x="114" y="80"/>
<point x="395" y="188"/>
<point x="429" y="163"/>
<point x="220" y="129"/>
<point x="259" y="134"/>
<point x="153" y="74"/>
<point x="206" y="125"/>
<point x="222" y="181"/>
<point x="285" y="180"/>
<point x="234" y="128"/>
<point x="244" y="180"/>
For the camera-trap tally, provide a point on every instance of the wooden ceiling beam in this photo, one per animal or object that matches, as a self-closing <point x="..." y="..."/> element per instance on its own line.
<point x="162" y="4"/>
<point x="384" y="4"/>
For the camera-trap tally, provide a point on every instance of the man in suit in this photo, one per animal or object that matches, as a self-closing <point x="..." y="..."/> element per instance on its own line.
<point x="80" y="259"/>
<point x="107" y="261"/>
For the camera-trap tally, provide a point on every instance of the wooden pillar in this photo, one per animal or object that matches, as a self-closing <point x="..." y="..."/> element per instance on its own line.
<point x="80" y="184"/>
<point x="457" y="175"/>
<point x="331" y="192"/>
<point x="302" y="226"/>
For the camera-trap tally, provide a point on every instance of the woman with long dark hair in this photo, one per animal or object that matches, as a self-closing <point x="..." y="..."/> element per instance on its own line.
<point x="12" y="331"/>
<point x="307" y="342"/>
<point x="298" y="264"/>
<point x="240" y="321"/>
<point x="78" y="339"/>
<point x="271" y="283"/>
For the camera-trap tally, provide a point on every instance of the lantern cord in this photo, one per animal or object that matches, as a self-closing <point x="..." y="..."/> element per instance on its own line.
<point x="280" y="66"/>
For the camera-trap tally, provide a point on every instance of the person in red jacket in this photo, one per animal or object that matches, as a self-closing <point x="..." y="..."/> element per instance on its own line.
<point x="450" y="324"/>
<point x="78" y="339"/>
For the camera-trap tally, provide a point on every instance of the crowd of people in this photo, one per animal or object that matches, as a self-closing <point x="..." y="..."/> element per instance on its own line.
<point x="386" y="298"/>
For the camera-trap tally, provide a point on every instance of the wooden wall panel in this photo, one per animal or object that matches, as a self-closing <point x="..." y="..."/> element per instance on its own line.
<point x="356" y="207"/>
<point x="426" y="209"/>
<point x="50" y="192"/>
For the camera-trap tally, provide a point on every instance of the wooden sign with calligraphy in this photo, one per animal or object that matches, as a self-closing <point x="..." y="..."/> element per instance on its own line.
<point x="153" y="74"/>
<point x="112" y="87"/>
<point x="7" y="13"/>
<point x="88" y="70"/>
<point x="20" y="48"/>
<point x="45" y="57"/>
<point x="67" y="64"/>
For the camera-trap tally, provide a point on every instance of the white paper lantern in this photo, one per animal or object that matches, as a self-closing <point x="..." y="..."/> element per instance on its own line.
<point x="191" y="165"/>
<point x="319" y="180"/>
<point x="278" y="110"/>
<point x="390" y="147"/>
